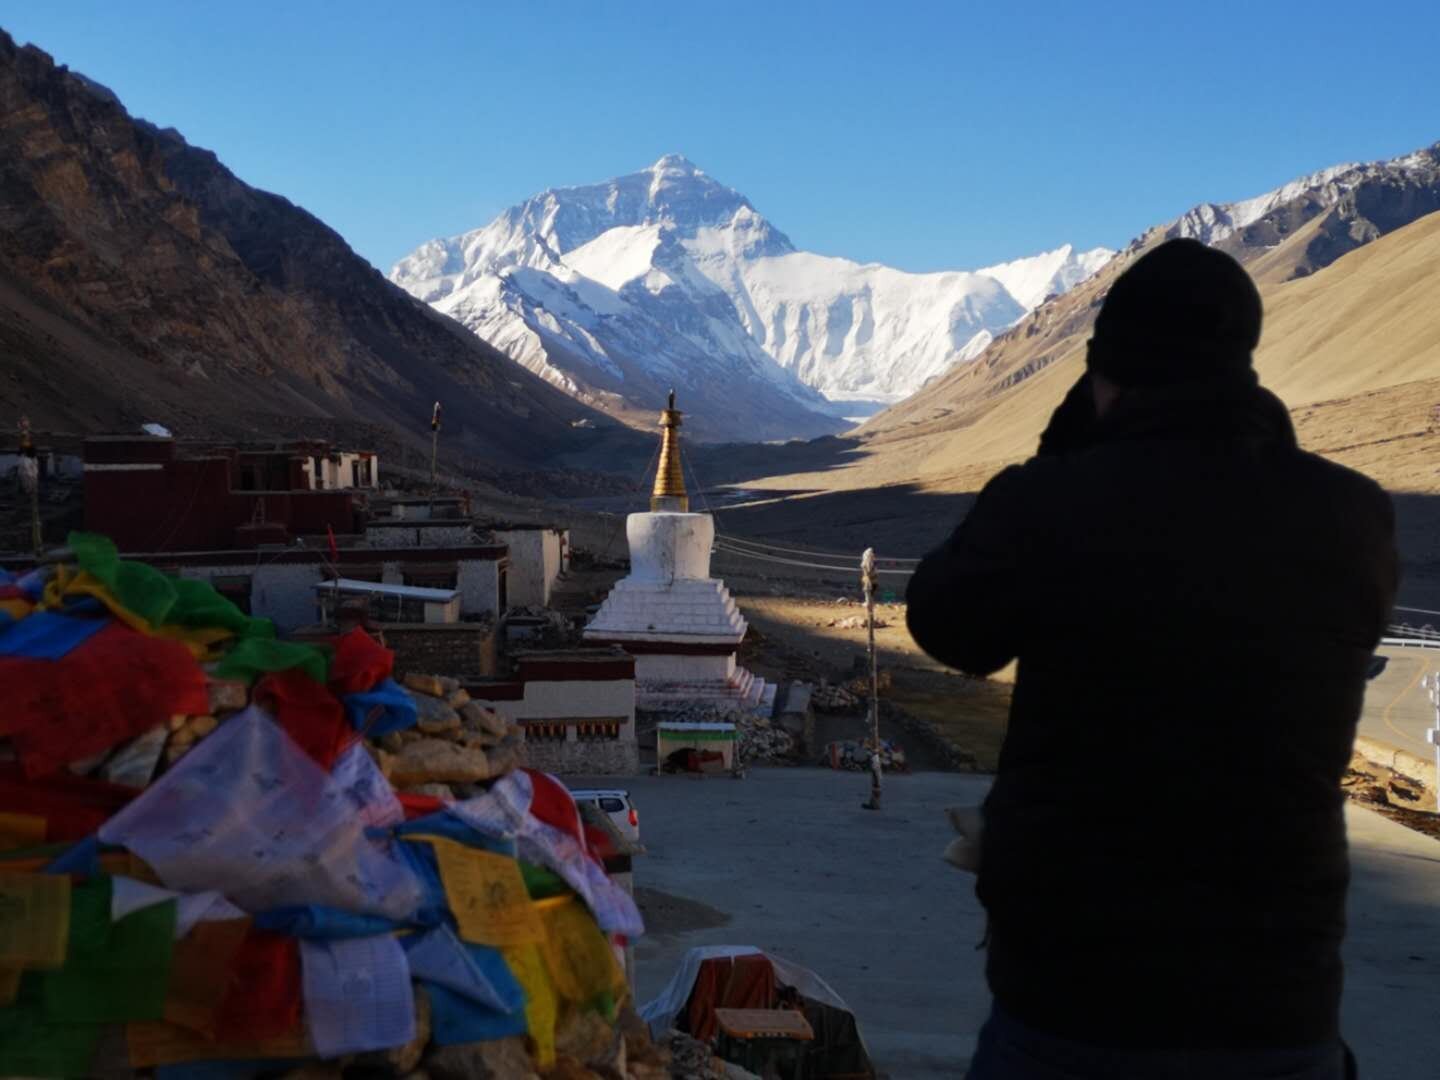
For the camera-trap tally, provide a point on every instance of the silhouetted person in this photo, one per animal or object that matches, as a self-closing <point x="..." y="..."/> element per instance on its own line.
<point x="1194" y="602"/>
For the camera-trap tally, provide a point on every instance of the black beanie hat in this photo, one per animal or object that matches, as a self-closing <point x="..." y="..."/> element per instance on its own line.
<point x="1183" y="312"/>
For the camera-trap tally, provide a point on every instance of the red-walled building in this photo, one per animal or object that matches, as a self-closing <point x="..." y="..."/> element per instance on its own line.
<point x="153" y="494"/>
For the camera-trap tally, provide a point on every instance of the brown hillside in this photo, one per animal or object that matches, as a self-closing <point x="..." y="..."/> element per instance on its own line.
<point x="140" y="280"/>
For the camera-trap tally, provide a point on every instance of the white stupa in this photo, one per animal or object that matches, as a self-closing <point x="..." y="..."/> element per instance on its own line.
<point x="678" y="622"/>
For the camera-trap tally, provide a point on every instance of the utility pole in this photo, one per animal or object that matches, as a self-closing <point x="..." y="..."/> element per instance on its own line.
<point x="1431" y="683"/>
<point x="434" y="452"/>
<point x="867" y="582"/>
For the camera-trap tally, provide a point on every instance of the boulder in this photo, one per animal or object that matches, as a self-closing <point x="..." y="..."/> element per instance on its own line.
<point x="508" y="755"/>
<point x="428" y="761"/>
<point x="498" y="1059"/>
<point x="384" y="760"/>
<point x="134" y="766"/>
<point x="568" y="1068"/>
<point x="200" y="726"/>
<point x="584" y="1035"/>
<point x="227" y="695"/>
<point x="456" y="698"/>
<point x="477" y="717"/>
<point x="425" y="684"/>
<point x="435" y="715"/>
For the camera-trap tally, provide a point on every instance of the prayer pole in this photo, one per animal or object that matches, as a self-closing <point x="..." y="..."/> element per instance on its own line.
<point x="867" y="582"/>
<point x="434" y="452"/>
<point x="1431" y="683"/>
<point x="30" y="482"/>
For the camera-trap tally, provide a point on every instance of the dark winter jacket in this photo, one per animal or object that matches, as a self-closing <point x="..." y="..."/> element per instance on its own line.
<point x="1194" y="602"/>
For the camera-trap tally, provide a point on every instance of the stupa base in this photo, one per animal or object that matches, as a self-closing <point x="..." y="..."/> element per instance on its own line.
<point x="743" y="690"/>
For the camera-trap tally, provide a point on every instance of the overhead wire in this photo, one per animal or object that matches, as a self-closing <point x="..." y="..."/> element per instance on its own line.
<point x="848" y="570"/>
<point x="760" y="545"/>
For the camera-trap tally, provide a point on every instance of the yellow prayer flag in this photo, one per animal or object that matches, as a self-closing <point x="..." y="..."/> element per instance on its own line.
<point x="582" y="965"/>
<point x="20" y="831"/>
<point x="9" y="985"/>
<point x="487" y="894"/>
<point x="541" y="1006"/>
<point x="16" y="608"/>
<point x="34" y="920"/>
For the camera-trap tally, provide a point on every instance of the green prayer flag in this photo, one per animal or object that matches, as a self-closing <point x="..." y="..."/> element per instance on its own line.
<point x="542" y="882"/>
<point x="33" y="1045"/>
<point x="253" y="656"/>
<point x="114" y="971"/>
<point x="158" y="598"/>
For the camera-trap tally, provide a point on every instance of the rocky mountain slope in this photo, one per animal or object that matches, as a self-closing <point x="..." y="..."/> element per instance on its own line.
<point x="140" y="280"/>
<point x="989" y="412"/>
<point x="664" y="277"/>
<point x="1349" y="268"/>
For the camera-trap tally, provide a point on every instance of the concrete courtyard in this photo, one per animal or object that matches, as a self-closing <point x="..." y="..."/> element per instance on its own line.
<point x="789" y="863"/>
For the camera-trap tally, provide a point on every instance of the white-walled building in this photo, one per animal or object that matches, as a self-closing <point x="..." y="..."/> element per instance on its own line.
<point x="539" y="555"/>
<point x="280" y="584"/>
<point x="576" y="708"/>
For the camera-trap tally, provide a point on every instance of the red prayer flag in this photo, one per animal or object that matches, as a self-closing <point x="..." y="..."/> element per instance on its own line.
<point x="263" y="1000"/>
<point x="308" y="712"/>
<point x="114" y="686"/>
<point x="73" y="807"/>
<point x="360" y="662"/>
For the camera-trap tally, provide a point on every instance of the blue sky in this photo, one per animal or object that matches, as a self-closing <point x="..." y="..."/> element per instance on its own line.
<point x="926" y="136"/>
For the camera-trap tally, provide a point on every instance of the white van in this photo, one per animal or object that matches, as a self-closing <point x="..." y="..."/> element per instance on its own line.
<point x="616" y="803"/>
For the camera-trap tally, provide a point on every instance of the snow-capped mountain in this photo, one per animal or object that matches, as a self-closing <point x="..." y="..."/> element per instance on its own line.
<point x="1052" y="273"/>
<point x="1212" y="223"/>
<point x="665" y="278"/>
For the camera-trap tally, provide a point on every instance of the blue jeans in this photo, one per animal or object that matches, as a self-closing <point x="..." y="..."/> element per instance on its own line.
<point x="1008" y="1050"/>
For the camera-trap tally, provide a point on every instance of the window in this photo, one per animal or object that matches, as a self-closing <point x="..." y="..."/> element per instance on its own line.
<point x="612" y="806"/>
<point x="235" y="588"/>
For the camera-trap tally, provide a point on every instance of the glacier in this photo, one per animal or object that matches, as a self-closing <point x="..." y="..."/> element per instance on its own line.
<point x="618" y="291"/>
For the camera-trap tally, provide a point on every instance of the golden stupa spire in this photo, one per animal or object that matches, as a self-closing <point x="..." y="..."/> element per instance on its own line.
<point x="669" y="493"/>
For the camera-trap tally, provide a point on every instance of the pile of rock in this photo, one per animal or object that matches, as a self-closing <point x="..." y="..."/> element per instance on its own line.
<point x="856" y="622"/>
<point x="828" y="698"/>
<point x="756" y="737"/>
<point x="456" y="743"/>
<point x="855" y="756"/>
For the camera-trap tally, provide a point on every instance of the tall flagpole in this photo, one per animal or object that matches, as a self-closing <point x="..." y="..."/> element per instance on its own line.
<point x="867" y="582"/>
<point x="434" y="452"/>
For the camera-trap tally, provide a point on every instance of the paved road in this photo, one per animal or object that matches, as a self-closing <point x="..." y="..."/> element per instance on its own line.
<point x="863" y="899"/>
<point x="1397" y="709"/>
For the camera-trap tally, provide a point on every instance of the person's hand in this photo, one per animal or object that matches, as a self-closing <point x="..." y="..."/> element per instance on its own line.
<point x="964" y="851"/>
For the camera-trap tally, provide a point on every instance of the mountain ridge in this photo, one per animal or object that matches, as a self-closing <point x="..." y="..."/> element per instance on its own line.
<point x="141" y="280"/>
<point x="666" y="275"/>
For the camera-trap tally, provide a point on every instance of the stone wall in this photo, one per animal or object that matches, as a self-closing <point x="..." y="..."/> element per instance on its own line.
<point x="407" y="534"/>
<point x="461" y="650"/>
<point x="568" y="701"/>
<point x="590" y="758"/>
<point x="479" y="585"/>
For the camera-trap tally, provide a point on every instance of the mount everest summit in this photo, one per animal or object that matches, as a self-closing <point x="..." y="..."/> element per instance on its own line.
<point x="619" y="291"/>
